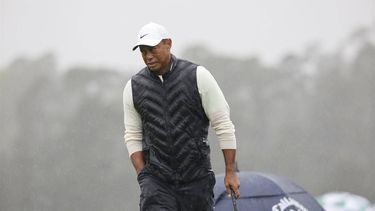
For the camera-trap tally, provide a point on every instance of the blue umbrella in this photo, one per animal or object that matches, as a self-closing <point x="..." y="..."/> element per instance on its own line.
<point x="265" y="192"/>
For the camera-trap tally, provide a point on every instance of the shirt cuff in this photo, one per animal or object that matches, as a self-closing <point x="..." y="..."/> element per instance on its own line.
<point x="228" y="145"/>
<point x="133" y="146"/>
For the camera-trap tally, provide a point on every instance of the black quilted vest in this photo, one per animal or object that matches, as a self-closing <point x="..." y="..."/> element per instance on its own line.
<point x="175" y="126"/>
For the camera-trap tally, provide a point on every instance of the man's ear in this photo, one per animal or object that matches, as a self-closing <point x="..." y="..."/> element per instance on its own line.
<point x="168" y="42"/>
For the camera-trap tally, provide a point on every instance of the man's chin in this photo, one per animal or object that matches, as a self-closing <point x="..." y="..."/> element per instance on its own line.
<point x="153" y="69"/>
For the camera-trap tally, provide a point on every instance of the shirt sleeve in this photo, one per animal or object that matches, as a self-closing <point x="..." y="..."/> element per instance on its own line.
<point x="216" y="108"/>
<point x="132" y="121"/>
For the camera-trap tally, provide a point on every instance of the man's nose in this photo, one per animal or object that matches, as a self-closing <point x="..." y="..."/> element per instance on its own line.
<point x="148" y="55"/>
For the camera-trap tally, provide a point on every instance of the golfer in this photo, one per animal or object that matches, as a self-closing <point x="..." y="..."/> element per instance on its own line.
<point x="168" y="107"/>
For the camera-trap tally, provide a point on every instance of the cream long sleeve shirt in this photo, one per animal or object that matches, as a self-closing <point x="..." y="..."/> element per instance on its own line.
<point x="214" y="105"/>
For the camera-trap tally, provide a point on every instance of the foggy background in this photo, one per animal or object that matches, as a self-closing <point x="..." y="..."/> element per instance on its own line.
<point x="298" y="75"/>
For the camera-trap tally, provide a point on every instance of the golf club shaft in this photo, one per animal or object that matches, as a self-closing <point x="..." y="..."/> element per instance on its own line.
<point x="234" y="202"/>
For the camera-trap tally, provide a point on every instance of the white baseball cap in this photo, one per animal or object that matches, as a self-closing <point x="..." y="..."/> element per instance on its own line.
<point x="151" y="34"/>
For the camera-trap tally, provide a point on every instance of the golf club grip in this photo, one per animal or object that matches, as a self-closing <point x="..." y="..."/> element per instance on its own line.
<point x="234" y="202"/>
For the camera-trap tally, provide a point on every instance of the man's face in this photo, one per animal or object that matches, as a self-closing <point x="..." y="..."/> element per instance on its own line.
<point x="157" y="57"/>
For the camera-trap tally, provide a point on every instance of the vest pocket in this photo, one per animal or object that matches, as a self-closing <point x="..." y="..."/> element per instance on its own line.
<point x="203" y="148"/>
<point x="155" y="161"/>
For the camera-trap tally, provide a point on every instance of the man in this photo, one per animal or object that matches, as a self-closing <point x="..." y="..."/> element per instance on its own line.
<point x="168" y="107"/>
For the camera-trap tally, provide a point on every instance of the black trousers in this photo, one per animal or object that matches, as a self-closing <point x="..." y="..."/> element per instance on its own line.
<point x="157" y="195"/>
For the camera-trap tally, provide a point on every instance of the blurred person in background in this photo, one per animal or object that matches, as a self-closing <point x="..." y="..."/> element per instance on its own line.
<point x="168" y="107"/>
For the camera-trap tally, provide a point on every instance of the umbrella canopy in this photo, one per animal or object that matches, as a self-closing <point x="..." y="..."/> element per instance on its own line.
<point x="265" y="192"/>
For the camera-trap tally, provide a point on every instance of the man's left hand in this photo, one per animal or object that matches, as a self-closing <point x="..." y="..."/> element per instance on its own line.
<point x="232" y="182"/>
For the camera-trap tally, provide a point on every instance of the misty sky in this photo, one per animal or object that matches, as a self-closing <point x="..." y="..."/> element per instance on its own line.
<point x="102" y="32"/>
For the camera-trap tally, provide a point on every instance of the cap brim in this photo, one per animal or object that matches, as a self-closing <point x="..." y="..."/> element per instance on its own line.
<point x="147" y="42"/>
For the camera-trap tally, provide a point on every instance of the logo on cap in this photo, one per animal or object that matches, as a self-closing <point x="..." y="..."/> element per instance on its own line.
<point x="143" y="36"/>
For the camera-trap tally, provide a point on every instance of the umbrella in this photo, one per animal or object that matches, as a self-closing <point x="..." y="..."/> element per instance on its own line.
<point x="265" y="192"/>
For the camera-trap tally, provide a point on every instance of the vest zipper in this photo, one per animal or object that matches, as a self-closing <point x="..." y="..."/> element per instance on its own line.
<point x="168" y="130"/>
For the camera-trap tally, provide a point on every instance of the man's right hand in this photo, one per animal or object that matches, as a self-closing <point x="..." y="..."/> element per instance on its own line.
<point x="138" y="161"/>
